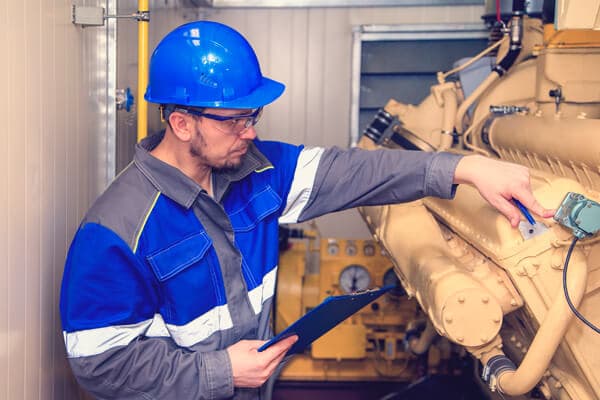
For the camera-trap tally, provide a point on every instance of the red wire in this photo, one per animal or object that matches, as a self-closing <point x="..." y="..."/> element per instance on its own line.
<point x="498" y="18"/>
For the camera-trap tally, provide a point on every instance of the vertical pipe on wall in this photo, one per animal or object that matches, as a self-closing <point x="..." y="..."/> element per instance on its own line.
<point x="142" y="105"/>
<point x="355" y="91"/>
<point x="110" y="166"/>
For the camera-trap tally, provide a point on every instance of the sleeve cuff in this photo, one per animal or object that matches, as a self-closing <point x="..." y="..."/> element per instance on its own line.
<point x="439" y="177"/>
<point x="219" y="375"/>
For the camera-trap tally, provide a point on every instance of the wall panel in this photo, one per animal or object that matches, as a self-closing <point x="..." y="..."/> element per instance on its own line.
<point x="53" y="141"/>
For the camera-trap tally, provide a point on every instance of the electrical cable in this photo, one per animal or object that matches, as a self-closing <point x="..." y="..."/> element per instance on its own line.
<point x="498" y="15"/>
<point x="566" y="291"/>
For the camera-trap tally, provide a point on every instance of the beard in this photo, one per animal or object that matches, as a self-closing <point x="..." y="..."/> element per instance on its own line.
<point x="198" y="150"/>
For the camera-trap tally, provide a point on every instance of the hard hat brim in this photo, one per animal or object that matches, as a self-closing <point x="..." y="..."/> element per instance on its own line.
<point x="265" y="93"/>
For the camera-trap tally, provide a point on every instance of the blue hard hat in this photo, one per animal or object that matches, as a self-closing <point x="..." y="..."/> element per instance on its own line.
<point x="208" y="64"/>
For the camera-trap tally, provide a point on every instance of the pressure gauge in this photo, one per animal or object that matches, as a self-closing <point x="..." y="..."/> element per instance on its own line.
<point x="354" y="278"/>
<point x="391" y="279"/>
<point x="369" y="249"/>
<point x="333" y="248"/>
<point x="351" y="248"/>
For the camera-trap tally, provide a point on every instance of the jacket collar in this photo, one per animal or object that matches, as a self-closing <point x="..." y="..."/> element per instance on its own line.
<point x="174" y="184"/>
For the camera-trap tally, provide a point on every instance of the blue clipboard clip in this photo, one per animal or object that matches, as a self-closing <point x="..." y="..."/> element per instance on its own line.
<point x="324" y="317"/>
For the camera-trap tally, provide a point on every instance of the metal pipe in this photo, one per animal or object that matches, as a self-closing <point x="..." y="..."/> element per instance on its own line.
<point x="419" y="345"/>
<point x="142" y="105"/>
<point x="548" y="337"/>
<point x="516" y="36"/>
<point x="450" y="107"/>
<point x="462" y="110"/>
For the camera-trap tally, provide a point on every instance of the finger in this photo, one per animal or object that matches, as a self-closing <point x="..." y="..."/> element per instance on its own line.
<point x="529" y="201"/>
<point x="251" y="345"/>
<point x="509" y="210"/>
<point x="280" y="347"/>
<point x="274" y="363"/>
<point x="284" y="345"/>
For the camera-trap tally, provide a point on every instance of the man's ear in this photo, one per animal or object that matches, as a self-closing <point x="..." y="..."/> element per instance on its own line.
<point x="182" y="125"/>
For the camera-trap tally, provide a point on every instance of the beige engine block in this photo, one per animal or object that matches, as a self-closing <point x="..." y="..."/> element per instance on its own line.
<point x="486" y="286"/>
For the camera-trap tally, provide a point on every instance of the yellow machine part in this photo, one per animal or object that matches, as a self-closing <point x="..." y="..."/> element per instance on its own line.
<point x="368" y="345"/>
<point x="484" y="285"/>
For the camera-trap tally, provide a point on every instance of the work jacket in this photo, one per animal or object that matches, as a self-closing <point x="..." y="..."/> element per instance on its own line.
<point x="162" y="277"/>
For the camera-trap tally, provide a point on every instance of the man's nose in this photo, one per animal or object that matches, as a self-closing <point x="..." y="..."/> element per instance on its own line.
<point x="249" y="133"/>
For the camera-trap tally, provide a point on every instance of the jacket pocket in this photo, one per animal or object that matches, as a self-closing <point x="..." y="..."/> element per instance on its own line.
<point x="179" y="256"/>
<point x="260" y="206"/>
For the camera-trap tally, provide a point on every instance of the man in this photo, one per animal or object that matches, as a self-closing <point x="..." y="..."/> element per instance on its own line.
<point x="168" y="283"/>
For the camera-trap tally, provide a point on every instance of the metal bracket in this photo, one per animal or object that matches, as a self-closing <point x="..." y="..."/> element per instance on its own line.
<point x="87" y="16"/>
<point x="508" y="110"/>
<point x="95" y="16"/>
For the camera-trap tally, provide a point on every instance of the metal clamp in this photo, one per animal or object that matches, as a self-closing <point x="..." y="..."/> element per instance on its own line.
<point x="495" y="367"/>
<point x="508" y="110"/>
<point x="95" y="16"/>
<point x="140" y="16"/>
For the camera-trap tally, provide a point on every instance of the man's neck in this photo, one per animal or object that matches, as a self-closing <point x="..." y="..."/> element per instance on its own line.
<point x="178" y="157"/>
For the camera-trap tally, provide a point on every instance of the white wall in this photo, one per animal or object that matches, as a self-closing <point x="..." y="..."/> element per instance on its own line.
<point x="52" y="164"/>
<point x="310" y="51"/>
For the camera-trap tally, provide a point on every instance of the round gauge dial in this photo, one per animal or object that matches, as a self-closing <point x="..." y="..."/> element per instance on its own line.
<point x="333" y="248"/>
<point x="351" y="249"/>
<point x="391" y="279"/>
<point x="354" y="278"/>
<point x="369" y="249"/>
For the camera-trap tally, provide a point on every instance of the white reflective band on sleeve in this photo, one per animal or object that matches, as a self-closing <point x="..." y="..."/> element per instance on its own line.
<point x="217" y="319"/>
<point x="96" y="341"/>
<point x="263" y="292"/>
<point x="304" y="179"/>
<point x="157" y="328"/>
<point x="91" y="342"/>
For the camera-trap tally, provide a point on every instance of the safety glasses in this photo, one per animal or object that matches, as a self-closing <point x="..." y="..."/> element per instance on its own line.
<point x="229" y="124"/>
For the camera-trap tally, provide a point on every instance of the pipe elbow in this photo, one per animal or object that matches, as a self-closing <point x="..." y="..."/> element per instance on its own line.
<point x="502" y="374"/>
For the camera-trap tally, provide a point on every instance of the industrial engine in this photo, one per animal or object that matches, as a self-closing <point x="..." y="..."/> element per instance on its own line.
<point x="523" y="304"/>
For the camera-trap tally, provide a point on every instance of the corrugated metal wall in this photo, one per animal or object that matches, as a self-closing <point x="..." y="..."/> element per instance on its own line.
<point x="52" y="164"/>
<point x="308" y="49"/>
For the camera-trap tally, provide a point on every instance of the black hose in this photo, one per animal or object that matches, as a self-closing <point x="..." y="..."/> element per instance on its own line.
<point x="375" y="131"/>
<point x="566" y="291"/>
<point x="509" y="59"/>
<point x="519" y="6"/>
<point x="516" y="35"/>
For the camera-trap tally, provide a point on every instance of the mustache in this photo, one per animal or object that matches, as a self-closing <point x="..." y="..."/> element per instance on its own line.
<point x="243" y="147"/>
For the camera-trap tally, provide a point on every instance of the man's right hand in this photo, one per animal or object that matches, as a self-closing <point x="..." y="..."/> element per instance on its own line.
<point x="252" y="368"/>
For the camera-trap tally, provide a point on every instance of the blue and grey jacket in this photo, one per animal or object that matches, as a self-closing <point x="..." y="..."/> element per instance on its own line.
<point x="161" y="277"/>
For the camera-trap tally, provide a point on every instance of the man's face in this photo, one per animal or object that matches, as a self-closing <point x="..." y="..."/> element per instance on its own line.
<point x="222" y="144"/>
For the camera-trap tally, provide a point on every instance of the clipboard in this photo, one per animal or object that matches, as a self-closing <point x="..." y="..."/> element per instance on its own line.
<point x="324" y="317"/>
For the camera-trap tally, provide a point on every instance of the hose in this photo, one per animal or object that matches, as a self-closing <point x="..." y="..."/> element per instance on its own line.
<point x="515" y="46"/>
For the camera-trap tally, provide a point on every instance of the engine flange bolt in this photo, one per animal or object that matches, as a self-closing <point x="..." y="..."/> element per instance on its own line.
<point x="461" y="299"/>
<point x="448" y="319"/>
<point x="460" y="339"/>
<point x="485" y="299"/>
